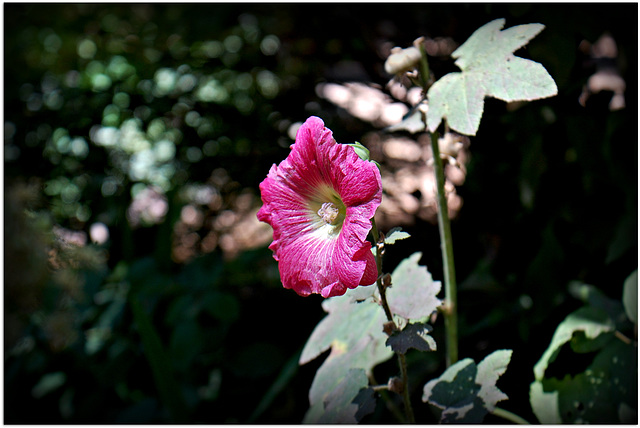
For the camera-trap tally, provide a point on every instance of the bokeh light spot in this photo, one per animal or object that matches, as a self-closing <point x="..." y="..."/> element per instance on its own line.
<point x="270" y="45"/>
<point x="86" y="49"/>
<point x="233" y="43"/>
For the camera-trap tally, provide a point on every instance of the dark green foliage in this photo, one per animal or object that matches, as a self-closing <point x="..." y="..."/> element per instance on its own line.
<point x="414" y="336"/>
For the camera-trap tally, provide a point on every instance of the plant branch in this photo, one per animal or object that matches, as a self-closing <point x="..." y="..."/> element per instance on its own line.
<point x="383" y="390"/>
<point x="622" y="337"/>
<point x="446" y="244"/>
<point x="402" y="361"/>
<point x="425" y="73"/>
<point x="505" y="414"/>
<point x="381" y="289"/>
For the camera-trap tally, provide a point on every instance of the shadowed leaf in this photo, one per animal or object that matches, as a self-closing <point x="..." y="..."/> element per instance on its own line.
<point x="593" y="322"/>
<point x="412" y="336"/>
<point x="630" y="296"/>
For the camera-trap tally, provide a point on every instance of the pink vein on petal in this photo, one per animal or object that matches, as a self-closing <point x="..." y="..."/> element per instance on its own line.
<point x="318" y="254"/>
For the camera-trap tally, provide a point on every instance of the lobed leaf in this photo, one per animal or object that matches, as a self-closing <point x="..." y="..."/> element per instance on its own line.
<point x="412" y="336"/>
<point x="489" y="68"/>
<point x="413" y="291"/>
<point x="353" y="332"/>
<point x="465" y="393"/>
<point x="349" y="401"/>
<point x="489" y="370"/>
<point x="346" y="324"/>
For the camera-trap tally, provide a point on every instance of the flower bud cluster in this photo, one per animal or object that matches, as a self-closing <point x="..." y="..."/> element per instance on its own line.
<point x="404" y="60"/>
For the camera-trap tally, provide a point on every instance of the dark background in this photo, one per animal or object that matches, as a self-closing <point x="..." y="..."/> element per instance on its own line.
<point x="176" y="319"/>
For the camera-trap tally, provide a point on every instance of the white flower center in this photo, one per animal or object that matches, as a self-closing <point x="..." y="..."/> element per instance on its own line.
<point x="329" y="212"/>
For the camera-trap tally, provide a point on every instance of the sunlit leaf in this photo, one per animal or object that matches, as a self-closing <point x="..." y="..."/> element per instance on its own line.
<point x="413" y="291"/>
<point x="489" y="68"/>
<point x="591" y="321"/>
<point x="465" y="393"/>
<point x="544" y="404"/>
<point x="395" y="234"/>
<point x="348" y="401"/>
<point x="412" y="336"/>
<point x="489" y="370"/>
<point x="354" y="333"/>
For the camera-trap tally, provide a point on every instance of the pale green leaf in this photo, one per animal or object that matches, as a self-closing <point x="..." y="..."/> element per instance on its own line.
<point x="348" y="402"/>
<point x="489" y="370"/>
<point x="630" y="296"/>
<point x="458" y="97"/>
<point x="544" y="404"/>
<point x="354" y="333"/>
<point x="591" y="321"/>
<point x="489" y="68"/>
<point x="465" y="393"/>
<point x="395" y="234"/>
<point x="413" y="291"/>
<point x="345" y="325"/>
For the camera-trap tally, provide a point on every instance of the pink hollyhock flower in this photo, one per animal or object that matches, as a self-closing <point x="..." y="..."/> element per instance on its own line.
<point x="320" y="201"/>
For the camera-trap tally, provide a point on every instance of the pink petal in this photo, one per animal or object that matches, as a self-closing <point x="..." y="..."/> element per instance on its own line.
<point x="309" y="261"/>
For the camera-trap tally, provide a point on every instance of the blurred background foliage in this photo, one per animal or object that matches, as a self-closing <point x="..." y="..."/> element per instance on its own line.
<point x="138" y="285"/>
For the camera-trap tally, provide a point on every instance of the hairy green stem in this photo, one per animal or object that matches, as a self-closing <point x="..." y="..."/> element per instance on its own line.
<point x="446" y="244"/>
<point x="505" y="414"/>
<point x="402" y="361"/>
<point x="381" y="289"/>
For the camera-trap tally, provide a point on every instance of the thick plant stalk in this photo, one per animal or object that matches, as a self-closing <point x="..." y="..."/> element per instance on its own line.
<point x="402" y="361"/>
<point x="446" y="244"/>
